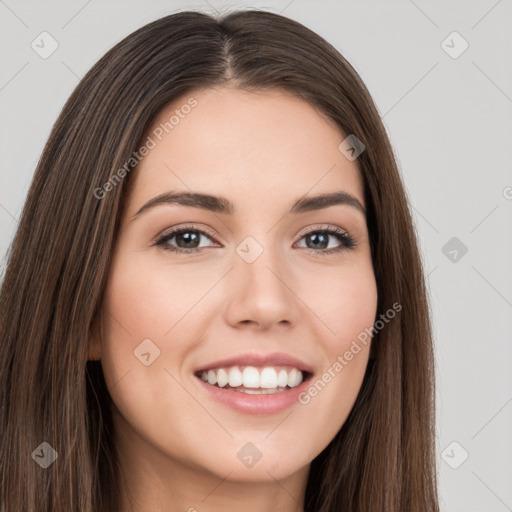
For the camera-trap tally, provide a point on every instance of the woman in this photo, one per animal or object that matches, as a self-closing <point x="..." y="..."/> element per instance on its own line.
<point x="214" y="300"/>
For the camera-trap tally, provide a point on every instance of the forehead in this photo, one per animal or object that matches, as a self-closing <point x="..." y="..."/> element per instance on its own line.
<point x="263" y="146"/>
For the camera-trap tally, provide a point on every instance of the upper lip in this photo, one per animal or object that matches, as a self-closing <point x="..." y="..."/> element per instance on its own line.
<point x="273" y="359"/>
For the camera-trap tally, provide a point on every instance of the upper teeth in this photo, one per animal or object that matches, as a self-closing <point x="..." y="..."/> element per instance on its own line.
<point x="251" y="377"/>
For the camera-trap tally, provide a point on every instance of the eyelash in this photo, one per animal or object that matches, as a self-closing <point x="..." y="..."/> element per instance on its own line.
<point x="347" y="242"/>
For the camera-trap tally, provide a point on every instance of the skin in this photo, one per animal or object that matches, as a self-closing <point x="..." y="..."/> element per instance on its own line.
<point x="177" y="445"/>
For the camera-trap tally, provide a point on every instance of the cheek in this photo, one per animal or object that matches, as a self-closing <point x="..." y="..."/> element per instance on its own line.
<point x="150" y="300"/>
<point x="150" y="308"/>
<point x="144" y="315"/>
<point x="137" y="307"/>
<point x="347" y="304"/>
<point x="349" y="308"/>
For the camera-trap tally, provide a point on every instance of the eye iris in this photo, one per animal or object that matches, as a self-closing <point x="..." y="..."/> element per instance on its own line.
<point x="188" y="237"/>
<point x="315" y="237"/>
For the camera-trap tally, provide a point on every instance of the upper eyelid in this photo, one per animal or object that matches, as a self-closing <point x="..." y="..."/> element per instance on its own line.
<point x="173" y="231"/>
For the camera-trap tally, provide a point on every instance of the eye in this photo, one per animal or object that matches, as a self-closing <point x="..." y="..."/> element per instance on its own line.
<point x="188" y="236"/>
<point x="188" y="240"/>
<point x="318" y="240"/>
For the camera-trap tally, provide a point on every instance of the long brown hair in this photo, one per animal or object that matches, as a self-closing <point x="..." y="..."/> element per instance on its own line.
<point x="383" y="456"/>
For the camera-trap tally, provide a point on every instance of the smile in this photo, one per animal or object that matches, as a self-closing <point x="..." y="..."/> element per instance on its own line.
<point x="252" y="389"/>
<point x="254" y="380"/>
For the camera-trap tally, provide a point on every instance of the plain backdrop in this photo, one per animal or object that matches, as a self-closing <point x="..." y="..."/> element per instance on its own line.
<point x="440" y="74"/>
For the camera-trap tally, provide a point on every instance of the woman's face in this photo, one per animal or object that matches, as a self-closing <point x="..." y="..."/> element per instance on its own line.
<point x="258" y="279"/>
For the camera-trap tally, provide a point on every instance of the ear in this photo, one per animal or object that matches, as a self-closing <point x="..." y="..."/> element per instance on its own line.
<point x="95" y="339"/>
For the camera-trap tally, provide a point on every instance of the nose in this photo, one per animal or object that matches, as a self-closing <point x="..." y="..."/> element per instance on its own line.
<point x="260" y="294"/>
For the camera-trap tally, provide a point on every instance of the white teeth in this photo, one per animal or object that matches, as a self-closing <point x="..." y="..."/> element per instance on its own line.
<point x="282" y="378"/>
<point x="253" y="380"/>
<point x="235" y="377"/>
<point x="251" y="377"/>
<point x="222" y="378"/>
<point x="268" y="378"/>
<point x="294" y="378"/>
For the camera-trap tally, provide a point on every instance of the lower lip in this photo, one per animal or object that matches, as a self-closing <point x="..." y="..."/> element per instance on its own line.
<point x="255" y="404"/>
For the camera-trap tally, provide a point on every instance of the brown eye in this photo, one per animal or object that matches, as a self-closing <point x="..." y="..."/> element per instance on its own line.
<point x="187" y="240"/>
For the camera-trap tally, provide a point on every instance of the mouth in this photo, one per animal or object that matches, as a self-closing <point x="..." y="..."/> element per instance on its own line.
<point x="254" y="380"/>
<point x="254" y="383"/>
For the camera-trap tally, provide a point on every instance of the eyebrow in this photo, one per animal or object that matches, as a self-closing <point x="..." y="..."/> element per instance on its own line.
<point x="220" y="204"/>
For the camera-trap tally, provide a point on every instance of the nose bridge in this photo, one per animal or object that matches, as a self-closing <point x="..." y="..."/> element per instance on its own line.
<point x="259" y="260"/>
<point x="260" y="292"/>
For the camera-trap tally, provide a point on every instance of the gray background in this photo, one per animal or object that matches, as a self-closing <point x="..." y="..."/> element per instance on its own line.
<point x="449" y="120"/>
